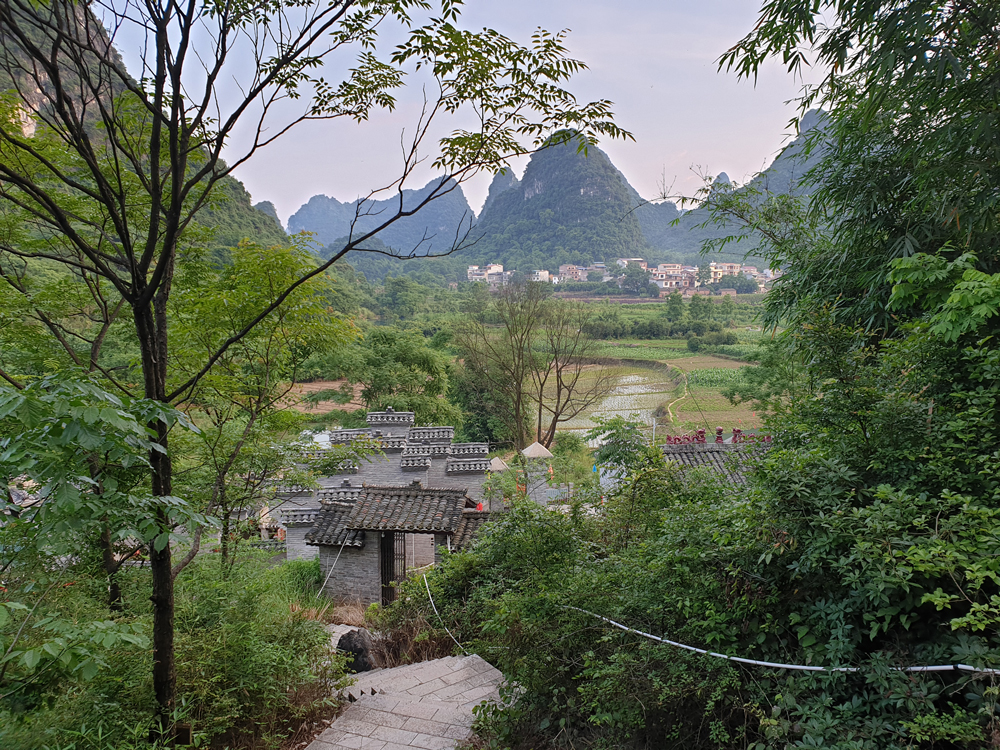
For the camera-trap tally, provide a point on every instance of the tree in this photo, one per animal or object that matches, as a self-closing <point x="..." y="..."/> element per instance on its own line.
<point x="910" y="95"/>
<point x="727" y="308"/>
<point x="499" y="346"/>
<point x="673" y="310"/>
<point x="564" y="385"/>
<point x="532" y="352"/>
<point x="240" y="449"/>
<point x="635" y="279"/>
<point x="402" y="297"/>
<point x="69" y="456"/>
<point x="699" y="308"/>
<point x="704" y="275"/>
<point x="106" y="173"/>
<point x="400" y="369"/>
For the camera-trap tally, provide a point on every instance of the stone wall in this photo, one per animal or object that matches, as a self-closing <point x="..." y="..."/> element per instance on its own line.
<point x="295" y="544"/>
<point x="419" y="550"/>
<point x="356" y="575"/>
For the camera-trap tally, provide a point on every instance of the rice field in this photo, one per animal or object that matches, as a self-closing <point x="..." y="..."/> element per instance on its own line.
<point x="683" y="403"/>
<point x="639" y="392"/>
<point x="656" y="350"/>
<point x="719" y="377"/>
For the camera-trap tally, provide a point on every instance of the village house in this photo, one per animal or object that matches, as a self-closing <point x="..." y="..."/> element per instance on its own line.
<point x="541" y="276"/>
<point x="623" y="263"/>
<point x="723" y="456"/>
<point x="720" y="270"/>
<point x="572" y="273"/>
<point x="493" y="274"/>
<point x="363" y="541"/>
<point x="443" y="505"/>
<point x="673" y="277"/>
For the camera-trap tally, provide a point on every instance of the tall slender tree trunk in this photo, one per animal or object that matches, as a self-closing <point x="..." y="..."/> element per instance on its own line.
<point x="224" y="539"/>
<point x="150" y="322"/>
<point x="111" y="568"/>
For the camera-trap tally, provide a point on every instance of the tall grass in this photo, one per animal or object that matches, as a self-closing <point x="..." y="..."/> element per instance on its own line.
<point x="254" y="664"/>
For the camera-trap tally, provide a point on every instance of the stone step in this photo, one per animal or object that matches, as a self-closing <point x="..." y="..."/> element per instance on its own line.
<point x="426" y="706"/>
<point x="462" y="680"/>
<point x="389" y="722"/>
<point x="368" y="683"/>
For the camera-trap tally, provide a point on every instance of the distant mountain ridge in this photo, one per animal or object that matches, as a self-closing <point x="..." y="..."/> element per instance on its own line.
<point x="433" y="230"/>
<point x="568" y="207"/>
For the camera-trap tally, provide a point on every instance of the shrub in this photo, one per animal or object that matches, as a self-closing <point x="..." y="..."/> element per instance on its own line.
<point x="251" y="664"/>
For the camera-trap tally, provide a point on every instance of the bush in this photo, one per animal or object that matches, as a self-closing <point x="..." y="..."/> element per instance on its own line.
<point x="251" y="664"/>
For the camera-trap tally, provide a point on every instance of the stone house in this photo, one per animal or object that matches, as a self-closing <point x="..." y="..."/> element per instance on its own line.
<point x="411" y="453"/>
<point x="363" y="541"/>
<point x="424" y="457"/>
<point x="722" y="456"/>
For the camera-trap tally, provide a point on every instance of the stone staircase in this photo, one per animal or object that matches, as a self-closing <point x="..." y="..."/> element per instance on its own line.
<point x="426" y="705"/>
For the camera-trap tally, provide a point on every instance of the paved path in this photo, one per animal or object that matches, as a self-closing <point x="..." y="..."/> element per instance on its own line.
<point x="426" y="705"/>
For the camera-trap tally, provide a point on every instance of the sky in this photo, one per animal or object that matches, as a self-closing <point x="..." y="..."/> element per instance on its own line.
<point x="655" y="59"/>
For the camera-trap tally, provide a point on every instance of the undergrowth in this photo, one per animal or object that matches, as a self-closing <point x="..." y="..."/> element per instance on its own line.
<point x="255" y="668"/>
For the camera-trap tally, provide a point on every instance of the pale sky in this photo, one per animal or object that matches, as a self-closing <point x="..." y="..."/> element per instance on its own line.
<point x="654" y="60"/>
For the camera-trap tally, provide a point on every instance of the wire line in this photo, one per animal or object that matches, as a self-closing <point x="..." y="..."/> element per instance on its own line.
<point x="776" y="665"/>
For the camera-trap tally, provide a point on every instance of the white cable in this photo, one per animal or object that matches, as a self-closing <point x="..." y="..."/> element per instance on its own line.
<point x="427" y="586"/>
<point x="775" y="665"/>
<point x="330" y="573"/>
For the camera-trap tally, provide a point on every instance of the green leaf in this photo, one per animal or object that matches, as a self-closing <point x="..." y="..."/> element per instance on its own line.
<point x="89" y="669"/>
<point x="31" y="658"/>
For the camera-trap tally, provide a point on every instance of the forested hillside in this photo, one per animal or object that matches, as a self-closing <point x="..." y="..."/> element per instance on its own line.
<point x="232" y="218"/>
<point x="569" y="207"/>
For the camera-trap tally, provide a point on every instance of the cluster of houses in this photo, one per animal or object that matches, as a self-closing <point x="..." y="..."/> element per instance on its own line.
<point x="669" y="277"/>
<point x="373" y="523"/>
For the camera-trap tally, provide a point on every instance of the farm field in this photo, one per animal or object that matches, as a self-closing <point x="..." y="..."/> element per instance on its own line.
<point x="656" y="350"/>
<point x="683" y="399"/>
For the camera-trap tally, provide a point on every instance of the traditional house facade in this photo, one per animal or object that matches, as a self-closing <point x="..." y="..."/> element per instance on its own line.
<point x="438" y="472"/>
<point x="363" y="540"/>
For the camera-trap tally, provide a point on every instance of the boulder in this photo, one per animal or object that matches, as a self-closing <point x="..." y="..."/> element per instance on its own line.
<point x="357" y="643"/>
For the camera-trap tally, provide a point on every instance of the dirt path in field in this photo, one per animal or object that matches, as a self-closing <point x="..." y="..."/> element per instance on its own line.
<point x="685" y="366"/>
<point x="670" y="412"/>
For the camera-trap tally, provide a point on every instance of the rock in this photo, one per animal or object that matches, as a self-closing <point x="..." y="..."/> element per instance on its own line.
<point x="357" y="643"/>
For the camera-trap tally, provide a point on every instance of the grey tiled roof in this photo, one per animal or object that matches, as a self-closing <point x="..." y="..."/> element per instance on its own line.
<point x="467" y="465"/>
<point x="469" y="450"/>
<point x="415" y="463"/>
<point x="398" y="436"/>
<point x="340" y="437"/>
<point x="719" y="457"/>
<point x="331" y="528"/>
<point x="431" y="434"/>
<point x="390" y="418"/>
<point x="339" y="494"/>
<point x="410" y="508"/>
<point x="468" y="527"/>
<point x="419" y="449"/>
<point x="393" y="444"/>
<point x="299" y="517"/>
